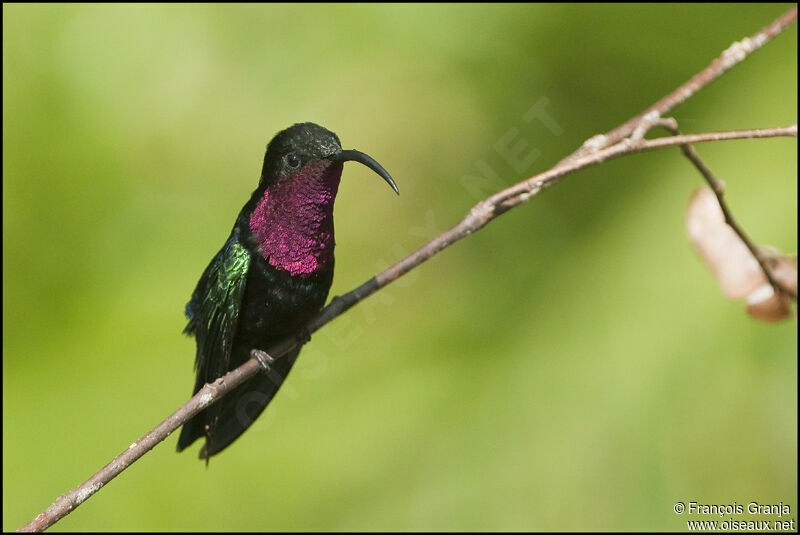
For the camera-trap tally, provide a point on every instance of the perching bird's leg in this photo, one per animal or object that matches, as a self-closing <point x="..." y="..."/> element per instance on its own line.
<point x="303" y="336"/>
<point x="263" y="359"/>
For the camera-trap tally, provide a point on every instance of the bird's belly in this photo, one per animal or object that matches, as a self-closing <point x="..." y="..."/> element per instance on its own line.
<point x="277" y="305"/>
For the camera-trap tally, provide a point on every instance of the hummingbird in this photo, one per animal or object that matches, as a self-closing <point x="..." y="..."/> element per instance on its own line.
<point x="269" y="279"/>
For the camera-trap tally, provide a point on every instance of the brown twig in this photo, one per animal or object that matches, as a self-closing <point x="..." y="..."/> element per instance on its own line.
<point x="478" y="217"/>
<point x="733" y="55"/>
<point x="610" y="145"/>
<point x="207" y="395"/>
<point x="717" y="186"/>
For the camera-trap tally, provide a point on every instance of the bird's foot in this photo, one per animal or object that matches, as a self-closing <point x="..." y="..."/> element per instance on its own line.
<point x="303" y="336"/>
<point x="263" y="359"/>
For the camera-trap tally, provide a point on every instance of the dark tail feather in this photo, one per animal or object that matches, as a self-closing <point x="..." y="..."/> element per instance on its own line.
<point x="191" y="431"/>
<point x="233" y="414"/>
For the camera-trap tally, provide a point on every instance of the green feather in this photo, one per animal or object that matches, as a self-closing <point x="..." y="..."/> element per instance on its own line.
<point x="214" y="309"/>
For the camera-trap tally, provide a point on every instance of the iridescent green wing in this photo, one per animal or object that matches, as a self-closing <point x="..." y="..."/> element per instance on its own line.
<point x="214" y="309"/>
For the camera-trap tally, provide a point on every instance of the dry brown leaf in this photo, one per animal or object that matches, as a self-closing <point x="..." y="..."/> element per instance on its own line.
<point x="731" y="262"/>
<point x="767" y="305"/>
<point x="734" y="266"/>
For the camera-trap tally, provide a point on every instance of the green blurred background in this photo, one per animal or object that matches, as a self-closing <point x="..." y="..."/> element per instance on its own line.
<point x="572" y="366"/>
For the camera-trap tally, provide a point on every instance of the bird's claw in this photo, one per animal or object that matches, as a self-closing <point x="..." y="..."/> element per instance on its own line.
<point x="303" y="336"/>
<point x="263" y="359"/>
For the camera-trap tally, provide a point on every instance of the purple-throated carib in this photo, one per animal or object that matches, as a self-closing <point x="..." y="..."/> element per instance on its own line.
<point x="269" y="279"/>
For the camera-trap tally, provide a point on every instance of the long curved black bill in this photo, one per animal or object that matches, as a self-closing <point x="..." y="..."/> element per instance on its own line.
<point x="360" y="157"/>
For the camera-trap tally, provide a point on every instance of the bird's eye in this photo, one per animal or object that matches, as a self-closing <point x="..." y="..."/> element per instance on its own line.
<point x="292" y="160"/>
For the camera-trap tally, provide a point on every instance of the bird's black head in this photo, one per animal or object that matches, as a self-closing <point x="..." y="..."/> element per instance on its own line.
<point x="291" y="150"/>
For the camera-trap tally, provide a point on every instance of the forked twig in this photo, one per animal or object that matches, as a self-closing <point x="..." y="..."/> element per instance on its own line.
<point x="594" y="151"/>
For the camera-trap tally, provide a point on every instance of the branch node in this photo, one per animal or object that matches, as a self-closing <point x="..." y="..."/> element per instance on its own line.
<point x="590" y="146"/>
<point x="645" y="125"/>
<point x="479" y="215"/>
<point x="740" y="49"/>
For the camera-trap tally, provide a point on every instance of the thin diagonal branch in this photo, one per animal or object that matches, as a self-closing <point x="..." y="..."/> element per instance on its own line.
<point x="594" y="151"/>
<point x="478" y="217"/>
<point x="732" y="56"/>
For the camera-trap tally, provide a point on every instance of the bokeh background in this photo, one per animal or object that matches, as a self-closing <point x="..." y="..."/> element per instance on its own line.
<point x="573" y="366"/>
